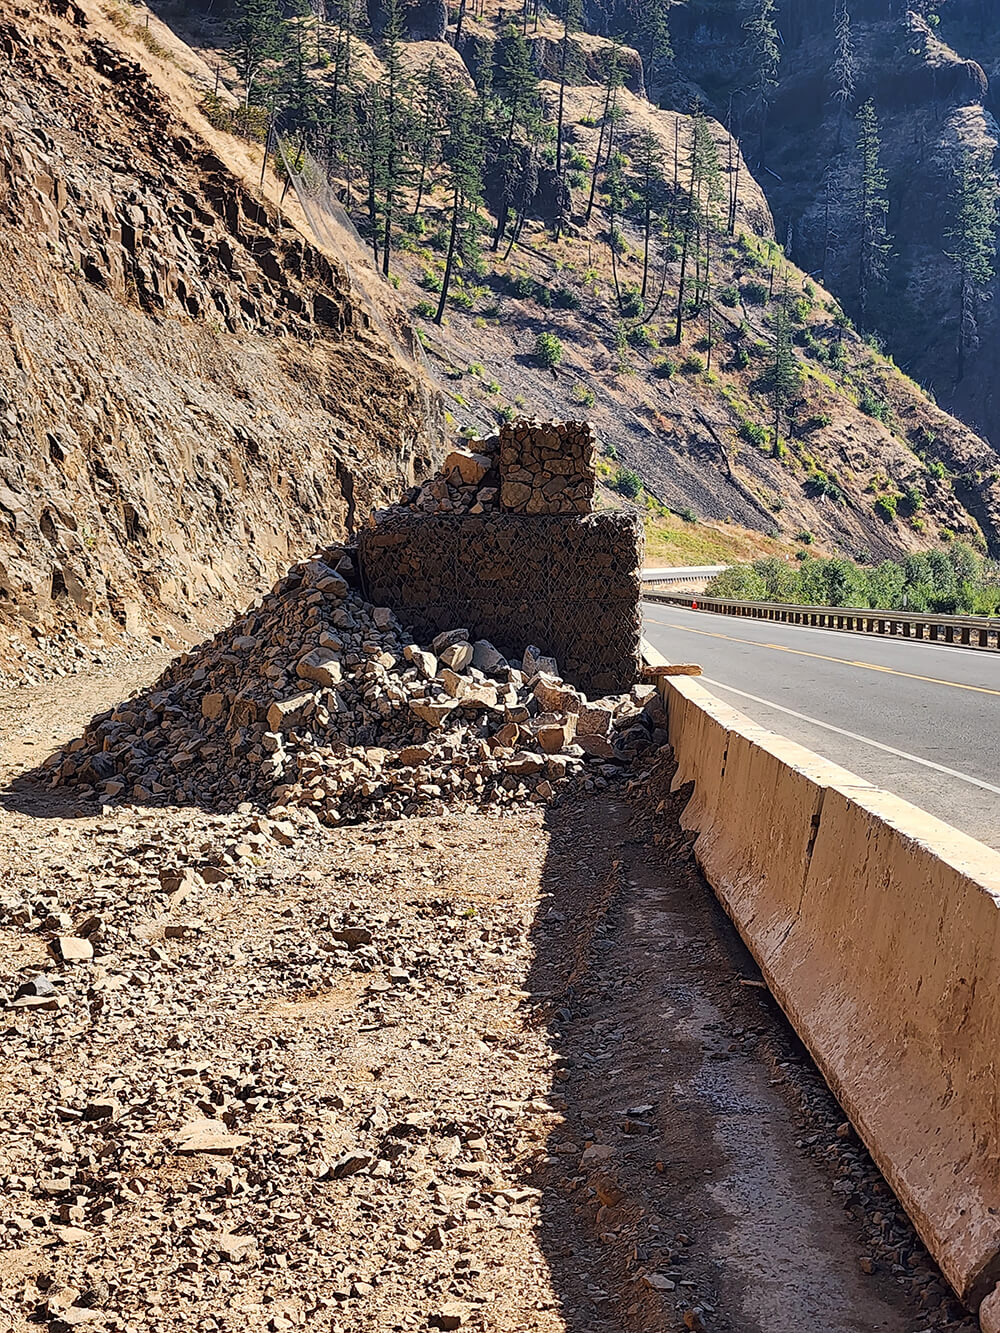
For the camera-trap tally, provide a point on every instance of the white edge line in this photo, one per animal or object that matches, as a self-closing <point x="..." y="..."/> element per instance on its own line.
<point x="852" y="735"/>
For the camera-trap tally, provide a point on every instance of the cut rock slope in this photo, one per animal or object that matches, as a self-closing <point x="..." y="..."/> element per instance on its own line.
<point x="189" y="394"/>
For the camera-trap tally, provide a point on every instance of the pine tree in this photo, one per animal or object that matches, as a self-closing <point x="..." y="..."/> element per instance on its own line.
<point x="397" y="123"/>
<point x="735" y="160"/>
<point x="524" y="192"/>
<point x="651" y="187"/>
<point x="428" y="138"/>
<point x="872" y="208"/>
<point x="763" y="56"/>
<point x="298" y="90"/>
<point x="699" y="217"/>
<point x="517" y="86"/>
<point x="709" y="195"/>
<point x="458" y="23"/>
<point x="572" y="18"/>
<point x="783" y="375"/>
<point x="349" y="21"/>
<point x="844" y="69"/>
<point x="258" y="36"/>
<point x="972" y="239"/>
<point x="613" y="80"/>
<point x="463" y="157"/>
<point x="372" y="121"/>
<point x="654" y="35"/>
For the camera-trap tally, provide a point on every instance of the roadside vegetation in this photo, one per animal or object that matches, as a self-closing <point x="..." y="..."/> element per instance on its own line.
<point x="953" y="581"/>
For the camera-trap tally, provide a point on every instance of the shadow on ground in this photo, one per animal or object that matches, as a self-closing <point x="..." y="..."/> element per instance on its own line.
<point x="698" y="1173"/>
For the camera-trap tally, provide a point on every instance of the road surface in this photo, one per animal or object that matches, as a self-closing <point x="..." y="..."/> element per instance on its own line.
<point x="921" y="720"/>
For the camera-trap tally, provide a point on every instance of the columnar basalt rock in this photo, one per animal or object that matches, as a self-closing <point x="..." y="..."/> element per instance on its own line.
<point x="547" y="467"/>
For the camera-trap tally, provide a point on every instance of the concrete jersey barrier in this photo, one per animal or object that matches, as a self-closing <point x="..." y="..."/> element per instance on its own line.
<point x="877" y="928"/>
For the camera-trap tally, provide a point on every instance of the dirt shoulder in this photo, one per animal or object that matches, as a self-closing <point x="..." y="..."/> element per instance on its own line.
<point x="487" y="1072"/>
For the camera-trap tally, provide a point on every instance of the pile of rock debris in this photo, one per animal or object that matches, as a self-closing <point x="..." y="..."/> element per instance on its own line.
<point x="468" y="482"/>
<point x="316" y="699"/>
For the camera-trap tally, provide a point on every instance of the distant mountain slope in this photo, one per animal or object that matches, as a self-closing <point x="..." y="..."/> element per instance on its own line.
<point x="865" y="463"/>
<point x="933" y="74"/>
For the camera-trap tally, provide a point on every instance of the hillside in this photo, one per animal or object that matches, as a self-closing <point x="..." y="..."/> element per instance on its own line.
<point x="189" y="394"/>
<point x="198" y="386"/>
<point x="929" y="70"/>
<point x="862" y="461"/>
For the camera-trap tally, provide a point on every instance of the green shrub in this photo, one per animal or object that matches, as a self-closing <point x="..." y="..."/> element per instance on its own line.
<point x="585" y="397"/>
<point x="804" y="536"/>
<point x="641" y="335"/>
<point x="692" y="364"/>
<point x="729" y="295"/>
<point x="874" y="407"/>
<point x="754" y="433"/>
<point x="818" y="483"/>
<point x="548" y="350"/>
<point x="886" y="506"/>
<point x="566" y="298"/>
<point x="425" y="309"/>
<point x="521" y="285"/>
<point x="688" y="514"/>
<point x="627" y="483"/>
<point x="430" y="281"/>
<point x="755" y="293"/>
<point x="664" y="368"/>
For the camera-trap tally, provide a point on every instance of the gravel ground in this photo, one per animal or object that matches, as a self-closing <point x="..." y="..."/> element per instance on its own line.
<point x="497" y="1071"/>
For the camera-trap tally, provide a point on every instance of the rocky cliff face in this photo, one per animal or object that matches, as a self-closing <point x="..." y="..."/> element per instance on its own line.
<point x="933" y="78"/>
<point x="189" y="395"/>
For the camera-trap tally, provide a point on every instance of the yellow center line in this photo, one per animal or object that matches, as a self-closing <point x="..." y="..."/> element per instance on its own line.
<point x="843" y="661"/>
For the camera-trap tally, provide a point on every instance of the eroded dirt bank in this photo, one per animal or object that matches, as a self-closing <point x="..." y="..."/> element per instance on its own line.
<point x="487" y="1072"/>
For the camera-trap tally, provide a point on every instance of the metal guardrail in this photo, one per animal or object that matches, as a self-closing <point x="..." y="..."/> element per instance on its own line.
<point x="964" y="631"/>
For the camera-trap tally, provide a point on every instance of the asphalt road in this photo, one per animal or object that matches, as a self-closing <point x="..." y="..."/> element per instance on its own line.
<point x="921" y="720"/>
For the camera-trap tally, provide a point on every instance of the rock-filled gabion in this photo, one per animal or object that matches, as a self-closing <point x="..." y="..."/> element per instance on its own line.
<point x="569" y="583"/>
<point x="531" y="468"/>
<point x="316" y="698"/>
<point x="547" y="467"/>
